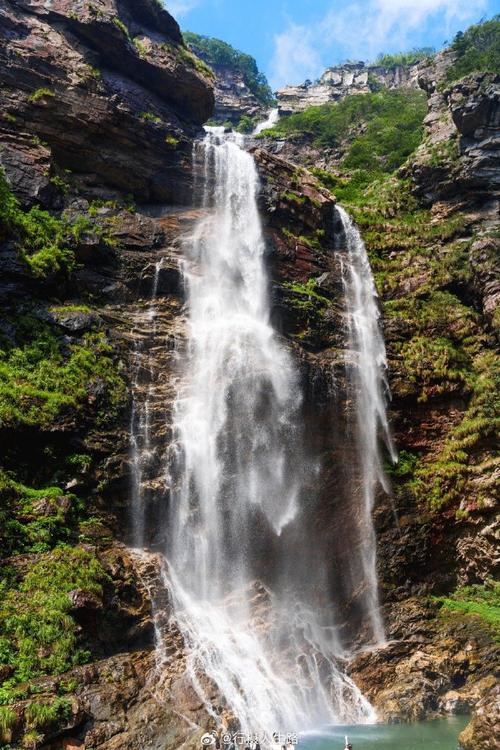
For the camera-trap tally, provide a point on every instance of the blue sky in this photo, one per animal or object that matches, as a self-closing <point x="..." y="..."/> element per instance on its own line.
<point x="297" y="39"/>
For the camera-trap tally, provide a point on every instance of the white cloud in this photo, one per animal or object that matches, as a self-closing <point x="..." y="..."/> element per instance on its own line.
<point x="362" y="30"/>
<point x="178" y="8"/>
<point x="295" y="56"/>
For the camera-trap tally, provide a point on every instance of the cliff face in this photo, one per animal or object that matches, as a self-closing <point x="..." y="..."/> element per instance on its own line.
<point x="339" y="82"/>
<point x="100" y="103"/>
<point x="241" y="90"/>
<point x="98" y="84"/>
<point x="100" y="106"/>
<point x="431" y="229"/>
<point x="233" y="98"/>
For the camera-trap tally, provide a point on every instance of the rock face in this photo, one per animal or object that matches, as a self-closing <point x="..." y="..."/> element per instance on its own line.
<point x="337" y="83"/>
<point x="98" y="86"/>
<point x="233" y="98"/>
<point x="240" y="89"/>
<point x="459" y="156"/>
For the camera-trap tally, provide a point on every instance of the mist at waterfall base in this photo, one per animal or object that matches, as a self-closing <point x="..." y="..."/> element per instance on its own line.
<point x="249" y="580"/>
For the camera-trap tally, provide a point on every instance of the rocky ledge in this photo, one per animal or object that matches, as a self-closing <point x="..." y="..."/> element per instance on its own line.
<point x="338" y="82"/>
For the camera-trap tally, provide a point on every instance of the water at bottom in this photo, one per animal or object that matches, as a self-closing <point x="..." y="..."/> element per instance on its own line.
<point x="440" y="734"/>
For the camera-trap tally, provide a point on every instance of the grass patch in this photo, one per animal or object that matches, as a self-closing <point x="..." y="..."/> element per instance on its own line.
<point x="482" y="601"/>
<point x="43" y="380"/>
<point x="404" y="58"/>
<point x="34" y="520"/>
<point x="8" y="719"/>
<point x="38" y="635"/>
<point x="121" y="26"/>
<point x="150" y="117"/>
<point x="306" y="296"/>
<point x="41" y="93"/>
<point x="42" y="715"/>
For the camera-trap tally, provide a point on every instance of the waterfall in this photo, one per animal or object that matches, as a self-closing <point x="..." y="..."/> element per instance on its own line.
<point x="249" y="592"/>
<point x="368" y="380"/>
<point x="141" y="445"/>
<point x="271" y="119"/>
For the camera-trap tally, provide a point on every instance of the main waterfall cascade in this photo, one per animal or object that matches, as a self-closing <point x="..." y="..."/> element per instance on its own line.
<point x="249" y="590"/>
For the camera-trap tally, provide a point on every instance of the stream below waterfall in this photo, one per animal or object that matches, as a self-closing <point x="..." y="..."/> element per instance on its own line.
<point x="439" y="734"/>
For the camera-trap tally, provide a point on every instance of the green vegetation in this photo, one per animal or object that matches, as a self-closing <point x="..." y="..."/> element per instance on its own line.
<point x="482" y="601"/>
<point x="217" y="52"/>
<point x="444" y="480"/>
<point x="171" y="140"/>
<point x="150" y="117"/>
<point x="43" y="381"/>
<point x="376" y="131"/>
<point x="305" y="296"/>
<point x="8" y="718"/>
<point x="38" y="635"/>
<point x="42" y="93"/>
<point x="120" y="25"/>
<point x="42" y="715"/>
<point x="140" y="47"/>
<point x="196" y="62"/>
<point x="34" y="520"/>
<point x="476" y="50"/>
<point x="93" y="72"/>
<point x="246" y="124"/>
<point x="290" y="195"/>
<point x="44" y="242"/>
<point x="404" y="58"/>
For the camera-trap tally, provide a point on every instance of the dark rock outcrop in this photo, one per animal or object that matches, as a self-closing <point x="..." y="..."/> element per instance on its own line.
<point x="109" y="93"/>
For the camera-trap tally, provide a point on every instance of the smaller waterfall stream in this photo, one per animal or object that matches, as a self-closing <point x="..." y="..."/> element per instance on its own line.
<point x="271" y="119"/>
<point x="368" y="380"/>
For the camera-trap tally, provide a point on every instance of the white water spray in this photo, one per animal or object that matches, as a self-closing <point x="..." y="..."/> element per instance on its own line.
<point x="368" y="379"/>
<point x="271" y="120"/>
<point x="254" y="612"/>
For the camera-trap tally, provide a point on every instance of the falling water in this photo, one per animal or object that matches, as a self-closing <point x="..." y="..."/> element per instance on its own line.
<point x="270" y="120"/>
<point x="141" y="447"/>
<point x="251" y="607"/>
<point x="368" y="378"/>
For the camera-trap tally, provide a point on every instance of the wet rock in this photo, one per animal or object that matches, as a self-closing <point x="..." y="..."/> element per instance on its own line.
<point x="483" y="730"/>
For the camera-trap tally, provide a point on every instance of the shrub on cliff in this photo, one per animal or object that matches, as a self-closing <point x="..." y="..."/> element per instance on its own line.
<point x="377" y="131"/>
<point x="43" y="381"/>
<point x="45" y="243"/>
<point x="476" y="50"/>
<point x="217" y="52"/>
<point x="38" y="634"/>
